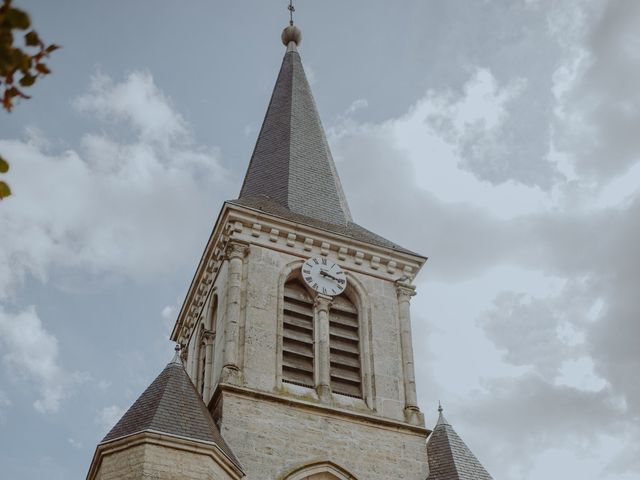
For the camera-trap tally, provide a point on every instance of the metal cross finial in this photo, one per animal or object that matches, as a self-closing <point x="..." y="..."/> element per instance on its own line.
<point x="291" y="10"/>
<point x="440" y="409"/>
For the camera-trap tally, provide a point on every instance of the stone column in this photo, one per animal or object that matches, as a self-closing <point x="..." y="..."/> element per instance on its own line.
<point x="323" y="353"/>
<point x="412" y="413"/>
<point x="235" y="253"/>
<point x="209" y="338"/>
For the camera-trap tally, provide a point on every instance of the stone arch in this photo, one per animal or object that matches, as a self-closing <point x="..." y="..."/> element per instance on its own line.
<point x="318" y="471"/>
<point x="356" y="292"/>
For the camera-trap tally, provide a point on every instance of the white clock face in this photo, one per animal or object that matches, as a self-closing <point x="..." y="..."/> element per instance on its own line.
<point x="324" y="276"/>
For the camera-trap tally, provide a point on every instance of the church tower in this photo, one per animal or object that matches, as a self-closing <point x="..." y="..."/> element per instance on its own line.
<point x="296" y="327"/>
<point x="295" y="332"/>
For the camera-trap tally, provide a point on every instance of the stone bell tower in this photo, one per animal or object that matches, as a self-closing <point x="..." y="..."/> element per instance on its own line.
<point x="301" y="380"/>
<point x="294" y="357"/>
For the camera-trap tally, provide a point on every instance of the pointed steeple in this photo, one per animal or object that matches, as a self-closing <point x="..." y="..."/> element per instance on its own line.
<point x="291" y="164"/>
<point x="449" y="457"/>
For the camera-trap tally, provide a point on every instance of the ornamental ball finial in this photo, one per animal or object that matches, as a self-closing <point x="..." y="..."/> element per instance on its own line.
<point x="291" y="33"/>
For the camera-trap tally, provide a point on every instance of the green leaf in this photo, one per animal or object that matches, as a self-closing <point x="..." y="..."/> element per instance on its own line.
<point x="17" y="19"/>
<point x="4" y="165"/>
<point x="5" y="191"/>
<point x="32" y="39"/>
<point x="52" y="48"/>
<point x="27" y="80"/>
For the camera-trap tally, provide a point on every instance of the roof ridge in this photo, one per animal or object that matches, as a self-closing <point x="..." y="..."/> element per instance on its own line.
<point x="202" y="407"/>
<point x="452" y="453"/>
<point x="171" y="404"/>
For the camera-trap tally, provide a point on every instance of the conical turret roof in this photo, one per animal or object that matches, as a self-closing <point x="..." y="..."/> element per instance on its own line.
<point x="449" y="457"/>
<point x="171" y="405"/>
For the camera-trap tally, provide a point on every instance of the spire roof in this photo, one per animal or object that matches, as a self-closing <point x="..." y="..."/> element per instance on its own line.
<point x="292" y="174"/>
<point x="171" y="405"/>
<point x="449" y="457"/>
<point x="291" y="163"/>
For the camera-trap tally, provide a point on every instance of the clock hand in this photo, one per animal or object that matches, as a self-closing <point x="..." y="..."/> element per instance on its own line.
<point x="326" y="274"/>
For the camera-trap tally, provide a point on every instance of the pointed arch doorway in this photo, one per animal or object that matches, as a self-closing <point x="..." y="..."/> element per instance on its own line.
<point x="318" y="471"/>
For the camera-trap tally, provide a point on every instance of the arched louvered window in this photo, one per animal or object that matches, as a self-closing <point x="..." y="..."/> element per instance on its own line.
<point x="297" y="343"/>
<point x="344" y="343"/>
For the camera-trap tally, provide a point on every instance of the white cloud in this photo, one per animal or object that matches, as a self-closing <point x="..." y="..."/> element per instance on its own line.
<point x="5" y="403"/>
<point x="580" y="373"/>
<point x="109" y="206"/>
<point x="169" y="312"/>
<point x="75" y="443"/>
<point x="598" y="102"/>
<point x="109" y="416"/>
<point x="138" y="101"/>
<point x="356" y="105"/>
<point x="528" y="303"/>
<point x="31" y="354"/>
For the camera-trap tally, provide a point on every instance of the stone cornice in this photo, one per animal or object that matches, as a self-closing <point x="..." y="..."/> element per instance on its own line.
<point x="246" y="226"/>
<point x="330" y="411"/>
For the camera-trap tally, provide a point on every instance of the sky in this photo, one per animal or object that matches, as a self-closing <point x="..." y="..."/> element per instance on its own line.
<point x="498" y="138"/>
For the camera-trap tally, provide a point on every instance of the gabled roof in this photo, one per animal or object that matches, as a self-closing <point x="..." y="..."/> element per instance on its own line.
<point x="171" y="405"/>
<point x="291" y="163"/>
<point x="450" y="458"/>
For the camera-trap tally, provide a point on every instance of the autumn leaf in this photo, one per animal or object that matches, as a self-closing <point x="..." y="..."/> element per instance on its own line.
<point x="4" y="165"/>
<point x="5" y="191"/>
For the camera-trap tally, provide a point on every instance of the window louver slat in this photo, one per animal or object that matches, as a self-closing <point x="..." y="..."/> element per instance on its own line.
<point x="297" y="345"/>
<point x="344" y="344"/>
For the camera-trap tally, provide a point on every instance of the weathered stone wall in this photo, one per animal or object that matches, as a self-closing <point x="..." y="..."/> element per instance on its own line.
<point x="124" y="465"/>
<point x="271" y="438"/>
<point x="149" y="461"/>
<point x="380" y="342"/>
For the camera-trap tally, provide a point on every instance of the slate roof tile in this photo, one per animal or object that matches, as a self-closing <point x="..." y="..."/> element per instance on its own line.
<point x="450" y="458"/>
<point x="171" y="405"/>
<point x="291" y="162"/>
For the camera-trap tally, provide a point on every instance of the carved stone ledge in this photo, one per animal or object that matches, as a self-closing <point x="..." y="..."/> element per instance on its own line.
<point x="236" y="249"/>
<point x="405" y="291"/>
<point x="308" y="244"/>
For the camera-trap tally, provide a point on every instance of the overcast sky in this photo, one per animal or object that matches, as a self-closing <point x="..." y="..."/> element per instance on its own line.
<point x="499" y="138"/>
